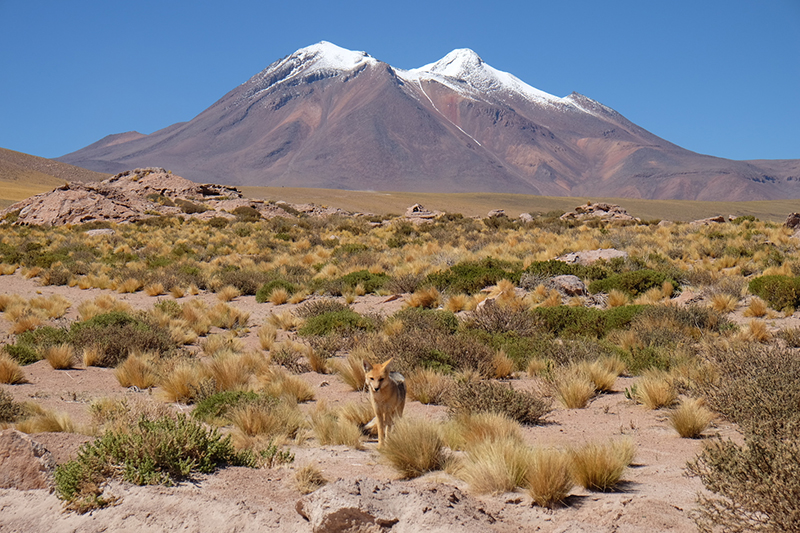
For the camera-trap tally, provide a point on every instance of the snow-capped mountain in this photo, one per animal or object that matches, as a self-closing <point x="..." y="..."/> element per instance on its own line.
<point x="329" y="117"/>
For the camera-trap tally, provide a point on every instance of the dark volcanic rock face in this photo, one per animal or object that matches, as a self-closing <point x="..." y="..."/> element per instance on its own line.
<point x="331" y="118"/>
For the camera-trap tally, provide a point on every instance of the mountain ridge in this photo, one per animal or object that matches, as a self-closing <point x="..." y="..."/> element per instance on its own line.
<point x="328" y="117"/>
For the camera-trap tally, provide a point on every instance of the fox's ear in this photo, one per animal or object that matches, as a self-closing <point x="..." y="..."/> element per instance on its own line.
<point x="386" y="363"/>
<point x="367" y="365"/>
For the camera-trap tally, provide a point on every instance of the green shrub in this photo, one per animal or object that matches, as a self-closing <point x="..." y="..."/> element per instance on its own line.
<point x="755" y="485"/>
<point x="117" y="333"/>
<point x="638" y="360"/>
<point x="494" y="397"/>
<point x="318" y="307"/>
<point x="371" y="282"/>
<point x="585" y="321"/>
<point x="339" y="322"/>
<point x="190" y="208"/>
<point x="218" y="222"/>
<point x="433" y="320"/>
<point x="778" y="291"/>
<point x="217" y="406"/>
<point x="30" y="345"/>
<point x="264" y="292"/>
<point x="160" y="451"/>
<point x="350" y="249"/>
<point x="248" y="282"/>
<point x="245" y="213"/>
<point x="503" y="319"/>
<point x="10" y="411"/>
<point x="471" y="276"/>
<point x="632" y="283"/>
<point x="554" y="267"/>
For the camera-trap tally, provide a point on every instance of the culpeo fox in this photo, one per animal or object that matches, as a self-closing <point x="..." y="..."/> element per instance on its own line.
<point x="387" y="393"/>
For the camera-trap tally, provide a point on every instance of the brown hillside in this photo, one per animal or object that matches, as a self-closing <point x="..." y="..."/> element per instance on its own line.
<point x="23" y="175"/>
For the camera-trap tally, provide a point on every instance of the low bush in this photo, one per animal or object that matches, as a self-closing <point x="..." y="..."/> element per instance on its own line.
<point x="217" y="406"/>
<point x="632" y="283"/>
<point x="118" y="333"/>
<point x="160" y="451"/>
<point x="754" y="485"/>
<point x="585" y="321"/>
<point x="366" y="279"/>
<point x="345" y="321"/>
<point x="494" y="397"/>
<point x="469" y="277"/>
<point x="600" y="466"/>
<point x="10" y="411"/>
<point x="265" y="291"/>
<point x="778" y="291"/>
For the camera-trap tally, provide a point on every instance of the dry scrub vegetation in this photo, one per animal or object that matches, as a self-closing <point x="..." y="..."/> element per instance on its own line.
<point x="250" y="401"/>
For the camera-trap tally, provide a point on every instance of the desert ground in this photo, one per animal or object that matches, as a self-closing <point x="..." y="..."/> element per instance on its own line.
<point x="656" y="494"/>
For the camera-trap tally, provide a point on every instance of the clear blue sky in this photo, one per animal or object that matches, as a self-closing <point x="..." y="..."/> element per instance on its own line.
<point x="719" y="77"/>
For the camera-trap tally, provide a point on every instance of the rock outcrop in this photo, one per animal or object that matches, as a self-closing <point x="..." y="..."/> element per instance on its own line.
<point x="143" y="193"/>
<point x="24" y="463"/>
<point x="591" y="256"/>
<point x="602" y="211"/>
<point x="368" y="505"/>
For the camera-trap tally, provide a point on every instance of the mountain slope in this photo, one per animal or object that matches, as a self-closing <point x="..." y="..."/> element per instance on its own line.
<point x="23" y="175"/>
<point x="333" y="118"/>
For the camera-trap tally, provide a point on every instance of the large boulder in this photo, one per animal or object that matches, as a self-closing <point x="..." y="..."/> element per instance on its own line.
<point x="792" y="221"/>
<point x="587" y="257"/>
<point x="603" y="211"/>
<point x="367" y="505"/>
<point x="24" y="463"/>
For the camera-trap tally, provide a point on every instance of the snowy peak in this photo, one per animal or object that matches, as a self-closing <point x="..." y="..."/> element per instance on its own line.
<point x="465" y="71"/>
<point x="457" y="64"/>
<point x="315" y="62"/>
<point x="328" y="56"/>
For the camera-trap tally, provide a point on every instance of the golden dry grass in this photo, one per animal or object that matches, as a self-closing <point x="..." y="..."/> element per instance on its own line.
<point x="351" y="370"/>
<point x="573" y="388"/>
<point x="691" y="418"/>
<point x="601" y="466"/>
<point x="502" y="365"/>
<point x="60" y="357"/>
<point x="414" y="447"/>
<point x="756" y="308"/>
<point x="656" y="389"/>
<point x="332" y="428"/>
<point x="549" y="480"/>
<point x="10" y="371"/>
<point x="308" y="479"/>
<point x="470" y="429"/>
<point x="137" y="370"/>
<point x="426" y="386"/>
<point x="427" y="298"/>
<point x="496" y="466"/>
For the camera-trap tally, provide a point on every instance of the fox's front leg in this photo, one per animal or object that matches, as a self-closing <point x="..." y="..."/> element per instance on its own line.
<point x="381" y="430"/>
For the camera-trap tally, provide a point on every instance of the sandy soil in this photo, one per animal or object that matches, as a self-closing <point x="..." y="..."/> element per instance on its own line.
<point x="656" y="495"/>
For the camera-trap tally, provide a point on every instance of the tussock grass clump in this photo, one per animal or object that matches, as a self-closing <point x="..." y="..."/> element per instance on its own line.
<point x="228" y="293"/>
<point x="154" y="289"/>
<point x="10" y="371"/>
<point x="491" y="396"/>
<point x="414" y="447"/>
<point x="266" y="417"/>
<point x="756" y="308"/>
<point x="724" y="303"/>
<point x="308" y="479"/>
<point x="60" y="357"/>
<point x="574" y="389"/>
<point x="351" y="370"/>
<point x="428" y="386"/>
<point x="225" y="316"/>
<point x="277" y="382"/>
<point x="45" y="421"/>
<point x="25" y="323"/>
<point x="182" y="383"/>
<point x="617" y="298"/>
<point x="229" y="371"/>
<point x="691" y="418"/>
<point x="600" y="466"/>
<point x="656" y="389"/>
<point x="331" y="428"/>
<point x="549" y="480"/>
<point x="496" y="466"/>
<point x="467" y="430"/>
<point x="427" y="298"/>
